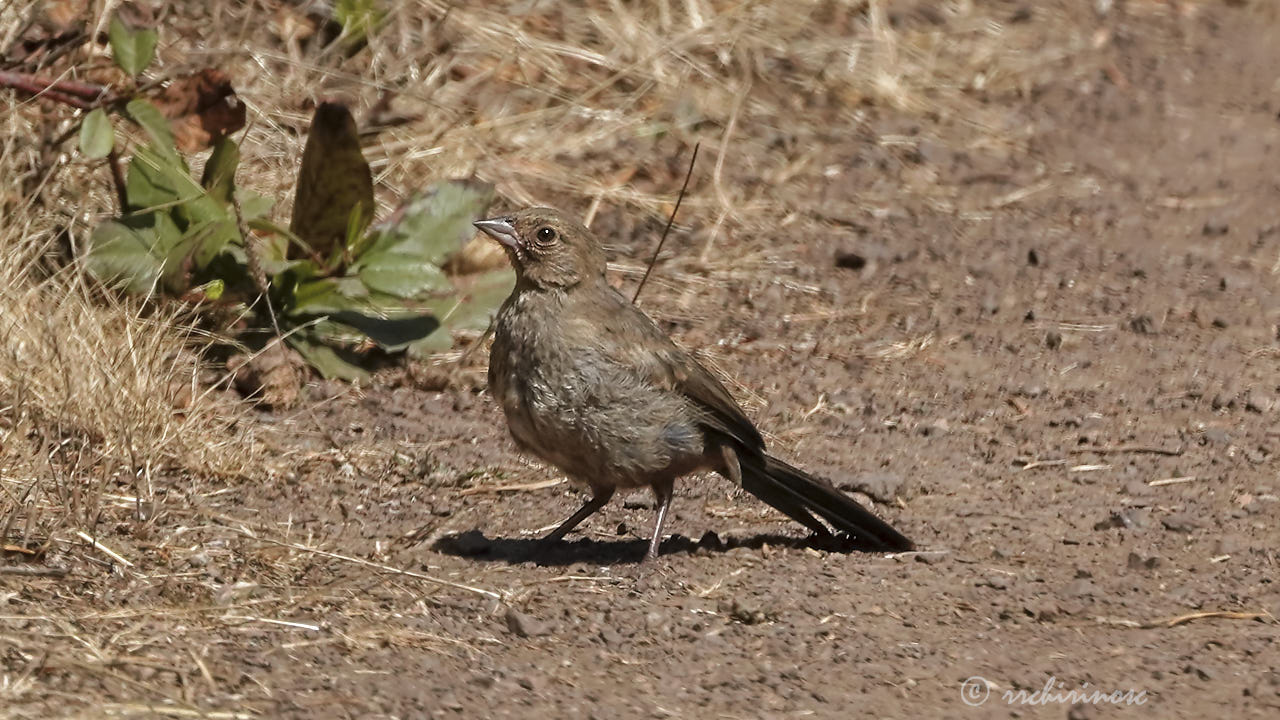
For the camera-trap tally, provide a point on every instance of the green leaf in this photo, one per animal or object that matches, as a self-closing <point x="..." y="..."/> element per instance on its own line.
<point x="432" y="224"/>
<point x="404" y="276"/>
<point x="273" y="249"/>
<point x="323" y="296"/>
<point x="254" y="205"/>
<point x="132" y="254"/>
<point x="179" y="267"/>
<point x="437" y="342"/>
<point x="148" y="184"/>
<point x="199" y="208"/>
<point x="478" y="300"/>
<point x="133" y="49"/>
<point x="336" y="335"/>
<point x="358" y="18"/>
<point x="159" y="228"/>
<point x="213" y="289"/>
<point x="326" y="360"/>
<point x="471" y="309"/>
<point x="219" y="176"/>
<point x="97" y="137"/>
<point x="335" y="186"/>
<point x="168" y="244"/>
<point x="209" y="239"/>
<point x="116" y="253"/>
<point x="157" y="180"/>
<point x="156" y="125"/>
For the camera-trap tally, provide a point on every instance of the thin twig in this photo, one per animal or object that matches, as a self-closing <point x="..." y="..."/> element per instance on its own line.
<point x="157" y="710"/>
<point x="1182" y="619"/>
<point x="1033" y="464"/>
<point x="585" y="578"/>
<point x="371" y="564"/>
<point x="68" y="92"/>
<point x="272" y="621"/>
<point x="471" y="349"/>
<point x="118" y="180"/>
<point x="35" y="85"/>
<point x="1172" y="481"/>
<point x="670" y="221"/>
<point x="1225" y="614"/>
<point x="513" y="488"/>
<point x="256" y="273"/>
<point x="32" y="571"/>
<point x="1130" y="449"/>
<point x="103" y="548"/>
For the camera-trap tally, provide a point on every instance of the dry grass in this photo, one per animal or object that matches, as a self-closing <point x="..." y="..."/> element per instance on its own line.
<point x="590" y="104"/>
<point x="104" y="423"/>
<point x="100" y="393"/>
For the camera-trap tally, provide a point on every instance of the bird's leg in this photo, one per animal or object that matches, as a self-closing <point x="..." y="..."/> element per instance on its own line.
<point x="598" y="500"/>
<point x="663" y="491"/>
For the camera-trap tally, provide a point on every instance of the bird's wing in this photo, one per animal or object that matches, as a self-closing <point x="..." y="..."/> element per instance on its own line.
<point x="631" y="341"/>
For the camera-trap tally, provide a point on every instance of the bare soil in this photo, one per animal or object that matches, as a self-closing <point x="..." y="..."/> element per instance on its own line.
<point x="1053" y="363"/>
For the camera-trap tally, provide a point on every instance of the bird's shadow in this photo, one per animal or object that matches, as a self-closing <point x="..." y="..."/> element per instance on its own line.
<point x="514" y="551"/>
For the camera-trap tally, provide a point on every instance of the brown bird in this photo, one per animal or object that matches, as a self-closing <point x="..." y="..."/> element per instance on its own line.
<point x="591" y="385"/>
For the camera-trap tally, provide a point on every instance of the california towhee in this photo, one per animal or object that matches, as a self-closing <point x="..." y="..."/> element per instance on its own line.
<point x="591" y="385"/>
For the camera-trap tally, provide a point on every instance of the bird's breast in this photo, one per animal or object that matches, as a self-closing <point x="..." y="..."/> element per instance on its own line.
<point x="579" y="408"/>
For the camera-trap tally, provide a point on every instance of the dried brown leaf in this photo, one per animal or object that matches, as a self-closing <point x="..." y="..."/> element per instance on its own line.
<point x="334" y="181"/>
<point x="202" y="108"/>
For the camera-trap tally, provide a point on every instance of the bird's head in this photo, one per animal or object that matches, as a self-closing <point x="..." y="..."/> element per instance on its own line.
<point x="546" y="248"/>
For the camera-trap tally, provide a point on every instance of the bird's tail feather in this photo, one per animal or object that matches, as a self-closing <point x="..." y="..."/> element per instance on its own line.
<point x="798" y="494"/>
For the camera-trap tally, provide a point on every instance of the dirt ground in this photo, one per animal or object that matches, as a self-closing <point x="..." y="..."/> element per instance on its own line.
<point x="1051" y="362"/>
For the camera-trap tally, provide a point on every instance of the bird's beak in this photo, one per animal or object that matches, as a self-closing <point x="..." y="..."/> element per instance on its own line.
<point x="500" y="229"/>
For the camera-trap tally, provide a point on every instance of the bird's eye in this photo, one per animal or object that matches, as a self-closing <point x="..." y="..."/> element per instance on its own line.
<point x="546" y="235"/>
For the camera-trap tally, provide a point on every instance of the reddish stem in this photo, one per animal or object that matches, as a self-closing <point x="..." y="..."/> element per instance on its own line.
<point x="117" y="178"/>
<point x="68" y="92"/>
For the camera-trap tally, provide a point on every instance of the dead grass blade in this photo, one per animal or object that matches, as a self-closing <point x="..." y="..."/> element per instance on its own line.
<point x="377" y="566"/>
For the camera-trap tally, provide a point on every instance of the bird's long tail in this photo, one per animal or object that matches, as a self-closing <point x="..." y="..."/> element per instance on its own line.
<point x="800" y="496"/>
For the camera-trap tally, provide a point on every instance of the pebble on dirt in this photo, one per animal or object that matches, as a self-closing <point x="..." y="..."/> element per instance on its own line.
<point x="1180" y="522"/>
<point x="525" y="626"/>
<point x="850" y="260"/>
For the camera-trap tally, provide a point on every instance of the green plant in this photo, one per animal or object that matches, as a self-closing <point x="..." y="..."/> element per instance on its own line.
<point x="342" y="284"/>
<point x="336" y="286"/>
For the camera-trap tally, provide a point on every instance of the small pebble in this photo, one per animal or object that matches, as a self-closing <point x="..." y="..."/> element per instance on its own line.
<point x="1215" y="227"/>
<point x="999" y="581"/>
<point x="525" y="626"/>
<point x="1142" y="564"/>
<point x="1179" y="522"/>
<point x="1217" y="436"/>
<point x="1258" y="402"/>
<point x="1143" y="325"/>
<point x="850" y="260"/>
<point x="1080" y="588"/>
